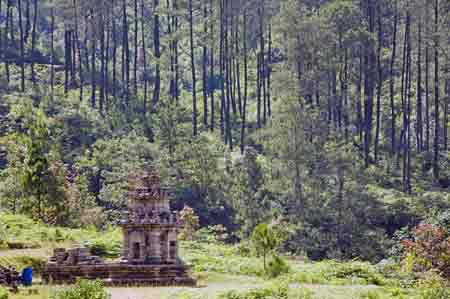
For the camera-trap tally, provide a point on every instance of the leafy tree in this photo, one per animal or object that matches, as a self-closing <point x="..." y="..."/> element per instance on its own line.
<point x="39" y="171"/>
<point x="108" y="164"/>
<point x="266" y="240"/>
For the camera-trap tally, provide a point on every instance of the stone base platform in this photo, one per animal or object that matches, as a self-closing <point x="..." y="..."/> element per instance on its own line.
<point x="117" y="274"/>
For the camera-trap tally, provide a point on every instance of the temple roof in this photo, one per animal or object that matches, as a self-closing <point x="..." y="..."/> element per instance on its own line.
<point x="146" y="185"/>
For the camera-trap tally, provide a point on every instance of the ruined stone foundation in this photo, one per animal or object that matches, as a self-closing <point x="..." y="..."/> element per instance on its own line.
<point x="113" y="274"/>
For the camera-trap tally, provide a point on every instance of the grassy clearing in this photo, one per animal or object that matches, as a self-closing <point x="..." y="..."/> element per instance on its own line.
<point x="219" y="268"/>
<point x="213" y="289"/>
<point x="20" y="232"/>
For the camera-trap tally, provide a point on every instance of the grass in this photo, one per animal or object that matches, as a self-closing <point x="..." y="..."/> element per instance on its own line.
<point x="219" y="268"/>
<point x="213" y="288"/>
<point x="20" y="232"/>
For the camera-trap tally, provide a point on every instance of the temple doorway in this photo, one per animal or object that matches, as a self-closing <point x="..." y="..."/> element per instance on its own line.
<point x="136" y="251"/>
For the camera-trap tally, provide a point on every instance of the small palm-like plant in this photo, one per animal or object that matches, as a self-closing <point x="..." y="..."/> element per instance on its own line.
<point x="266" y="240"/>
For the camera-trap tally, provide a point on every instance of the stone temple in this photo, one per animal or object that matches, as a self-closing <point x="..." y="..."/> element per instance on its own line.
<point x="150" y="245"/>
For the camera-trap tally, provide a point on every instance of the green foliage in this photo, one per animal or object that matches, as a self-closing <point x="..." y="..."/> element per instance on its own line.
<point x="107" y="164"/>
<point x="276" y="291"/>
<point x="107" y="245"/>
<point x="428" y="247"/>
<point x="190" y="223"/>
<point x="358" y="271"/>
<point x="397" y="293"/>
<point x="277" y="266"/>
<point x="220" y="259"/>
<point x="4" y="294"/>
<point x="442" y="219"/>
<point x="83" y="289"/>
<point x="433" y="286"/>
<point x="21" y="232"/>
<point x="266" y="240"/>
<point x="338" y="273"/>
<point x="36" y="167"/>
<point x="371" y="295"/>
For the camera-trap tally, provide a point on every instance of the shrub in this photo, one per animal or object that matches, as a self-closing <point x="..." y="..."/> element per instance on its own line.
<point x="433" y="287"/>
<point x="266" y="240"/>
<point x="190" y="223"/>
<point x="397" y="293"/>
<point x="220" y="232"/>
<point x="276" y="291"/>
<point x="370" y="295"/>
<point x="430" y="245"/>
<point x="277" y="266"/>
<point x="105" y="244"/>
<point x="83" y="289"/>
<point x="105" y="248"/>
<point x="243" y="249"/>
<point x="59" y="235"/>
<point x="4" y="293"/>
<point x="358" y="270"/>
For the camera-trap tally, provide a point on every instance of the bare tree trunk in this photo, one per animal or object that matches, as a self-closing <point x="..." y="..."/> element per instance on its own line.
<point x="107" y="59"/>
<point x="194" y="92"/>
<point x="156" y="32"/>
<point x="359" y="118"/>
<point x="436" y="93"/>
<point x="93" y="72"/>
<point x="52" y="71"/>
<point x="204" y="66"/>
<point x="269" y="73"/>
<point x="33" y="40"/>
<point x="427" y="80"/>
<point x="78" y="49"/>
<point x="114" y="53"/>
<point x="6" y="46"/>
<point x="102" y="63"/>
<point x="211" y="88"/>
<point x="445" y="120"/>
<point x="1" y="32"/>
<point x="175" y="45"/>
<point x="27" y="21"/>
<point x="392" y="82"/>
<point x="407" y="109"/>
<point x="136" y="47"/>
<point x="125" y="54"/>
<point x="419" y="126"/>
<point x="238" y="69"/>
<point x="380" y="85"/>
<point x="67" y="59"/>
<point x="85" y="45"/>
<point x="368" y="86"/>
<point x="22" y="47"/>
<point x="144" y="58"/>
<point x="226" y="72"/>
<point x="244" y="107"/>
<point x="222" y="74"/>
<point x="260" y="63"/>
<point x="228" y="134"/>
<point x="170" y="25"/>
